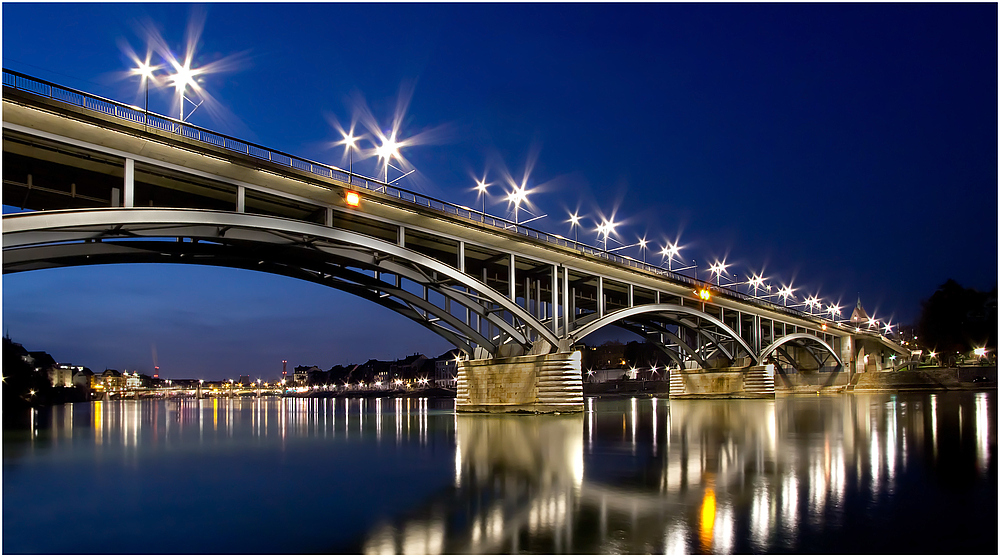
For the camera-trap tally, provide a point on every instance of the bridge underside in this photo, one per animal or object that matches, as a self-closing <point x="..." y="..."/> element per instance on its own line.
<point x="110" y="185"/>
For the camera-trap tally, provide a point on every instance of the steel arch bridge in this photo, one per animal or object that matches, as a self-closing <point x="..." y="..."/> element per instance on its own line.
<point x="108" y="183"/>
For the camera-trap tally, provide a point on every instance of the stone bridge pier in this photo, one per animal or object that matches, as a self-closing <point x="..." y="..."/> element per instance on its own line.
<point x="529" y="384"/>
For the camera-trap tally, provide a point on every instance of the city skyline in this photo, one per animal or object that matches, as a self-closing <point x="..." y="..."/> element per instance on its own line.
<point x="842" y="156"/>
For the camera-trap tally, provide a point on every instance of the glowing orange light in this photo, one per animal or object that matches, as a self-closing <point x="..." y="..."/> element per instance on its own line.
<point x="353" y="199"/>
<point x="704" y="294"/>
<point x="824" y="326"/>
<point x="707" y="519"/>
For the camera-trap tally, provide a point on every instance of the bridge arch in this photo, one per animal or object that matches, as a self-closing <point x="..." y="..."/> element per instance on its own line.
<point x="341" y="259"/>
<point x="801" y="339"/>
<point x="673" y="313"/>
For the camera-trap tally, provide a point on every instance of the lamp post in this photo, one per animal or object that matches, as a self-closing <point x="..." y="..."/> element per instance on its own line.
<point x="182" y="78"/>
<point x="388" y="149"/>
<point x="670" y="252"/>
<point x="607" y="228"/>
<point x="481" y="187"/>
<point x="574" y="225"/>
<point x="349" y="141"/>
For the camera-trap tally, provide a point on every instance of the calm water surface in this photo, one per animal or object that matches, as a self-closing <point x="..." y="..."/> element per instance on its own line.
<point x="913" y="473"/>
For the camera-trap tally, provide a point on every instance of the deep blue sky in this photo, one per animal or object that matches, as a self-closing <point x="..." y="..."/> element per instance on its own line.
<point x="846" y="148"/>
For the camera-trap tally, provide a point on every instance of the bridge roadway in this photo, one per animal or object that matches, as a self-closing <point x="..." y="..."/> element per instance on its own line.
<point x="108" y="183"/>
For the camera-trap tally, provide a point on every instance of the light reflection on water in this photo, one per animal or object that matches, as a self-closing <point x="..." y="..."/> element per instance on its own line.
<point x="852" y="474"/>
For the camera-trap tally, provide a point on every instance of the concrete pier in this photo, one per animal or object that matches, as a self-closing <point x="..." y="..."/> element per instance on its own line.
<point x="532" y="384"/>
<point x="743" y="382"/>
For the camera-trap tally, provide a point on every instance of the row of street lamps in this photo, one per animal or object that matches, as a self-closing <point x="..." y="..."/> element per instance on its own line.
<point x="387" y="148"/>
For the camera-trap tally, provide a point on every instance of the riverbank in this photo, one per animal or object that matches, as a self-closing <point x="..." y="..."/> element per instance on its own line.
<point x="929" y="379"/>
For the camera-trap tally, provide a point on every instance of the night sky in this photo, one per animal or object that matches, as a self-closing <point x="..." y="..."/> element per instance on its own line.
<point x="842" y="149"/>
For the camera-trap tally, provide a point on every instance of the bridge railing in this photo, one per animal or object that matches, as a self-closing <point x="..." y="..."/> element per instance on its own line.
<point x="17" y="80"/>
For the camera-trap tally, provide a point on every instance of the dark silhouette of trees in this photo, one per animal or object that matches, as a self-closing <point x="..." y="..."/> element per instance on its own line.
<point x="958" y="319"/>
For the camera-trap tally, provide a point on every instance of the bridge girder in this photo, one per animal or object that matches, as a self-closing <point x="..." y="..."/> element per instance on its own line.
<point x="801" y="340"/>
<point x="299" y="249"/>
<point x="673" y="313"/>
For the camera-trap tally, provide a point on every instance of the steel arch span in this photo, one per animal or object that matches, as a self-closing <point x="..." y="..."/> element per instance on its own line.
<point x="803" y="340"/>
<point x="648" y="320"/>
<point x="390" y="275"/>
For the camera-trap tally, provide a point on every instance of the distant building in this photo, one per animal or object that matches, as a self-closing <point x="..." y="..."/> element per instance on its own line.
<point x="132" y="381"/>
<point x="244" y="380"/>
<point x="108" y="380"/>
<point x="859" y="317"/>
<point x="446" y="371"/>
<point x="61" y="375"/>
<point x="407" y="369"/>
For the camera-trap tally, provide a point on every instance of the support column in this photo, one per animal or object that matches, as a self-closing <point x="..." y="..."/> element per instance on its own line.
<point x="401" y="236"/>
<point x="566" y="293"/>
<point x="241" y="204"/>
<point x="129" y="183"/>
<point x="540" y="384"/>
<point x="554" y="281"/>
<point x="510" y="281"/>
<point x="600" y="296"/>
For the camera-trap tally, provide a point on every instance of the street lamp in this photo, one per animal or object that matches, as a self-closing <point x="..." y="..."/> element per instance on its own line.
<point x="786" y="293"/>
<point x="182" y="78"/>
<point x="348" y="141"/>
<point x="146" y="71"/>
<point x="517" y="196"/>
<point x="387" y="150"/>
<point x="574" y="225"/>
<point x="481" y="186"/>
<point x="670" y="251"/>
<point x="718" y="268"/>
<point x="607" y="228"/>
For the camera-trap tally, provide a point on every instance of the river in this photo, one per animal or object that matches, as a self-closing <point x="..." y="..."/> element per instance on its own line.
<point x="860" y="473"/>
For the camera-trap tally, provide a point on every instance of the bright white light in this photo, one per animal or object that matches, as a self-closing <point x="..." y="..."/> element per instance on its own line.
<point x="184" y="77"/>
<point x="607" y="227"/>
<point x="481" y="186"/>
<point x="670" y="250"/>
<point x="718" y="268"/>
<point x="833" y="310"/>
<point x="888" y="328"/>
<point x="574" y="219"/>
<point x="349" y="139"/>
<point x="389" y="148"/>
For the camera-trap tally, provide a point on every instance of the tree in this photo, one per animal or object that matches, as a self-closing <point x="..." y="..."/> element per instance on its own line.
<point x="958" y="319"/>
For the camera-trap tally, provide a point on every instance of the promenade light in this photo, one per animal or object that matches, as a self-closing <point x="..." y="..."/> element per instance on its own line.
<point x="786" y="293"/>
<point x="670" y="251"/>
<point x="607" y="228"/>
<point x="980" y="352"/>
<point x="833" y="310"/>
<point x="349" y="140"/>
<point x="481" y="186"/>
<point x="574" y="225"/>
<point x="353" y="199"/>
<point x="718" y="268"/>
<point x="888" y="328"/>
<point x="387" y="151"/>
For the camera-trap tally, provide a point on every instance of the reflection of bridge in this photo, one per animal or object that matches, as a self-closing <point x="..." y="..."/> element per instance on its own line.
<point x="109" y="183"/>
<point x="678" y="477"/>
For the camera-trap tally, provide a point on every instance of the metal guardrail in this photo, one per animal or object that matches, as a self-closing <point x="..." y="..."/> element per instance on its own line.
<point x="167" y="124"/>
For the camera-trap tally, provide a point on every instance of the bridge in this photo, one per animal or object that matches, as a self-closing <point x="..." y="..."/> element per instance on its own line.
<point x="102" y="182"/>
